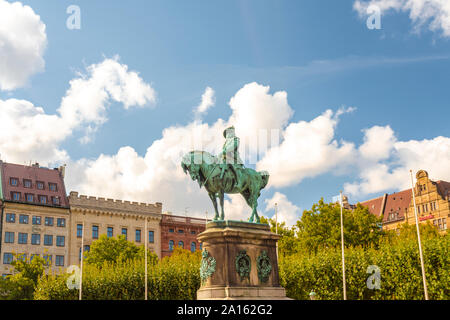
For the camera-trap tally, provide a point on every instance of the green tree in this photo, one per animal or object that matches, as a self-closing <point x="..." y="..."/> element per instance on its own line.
<point x="22" y="284"/>
<point x="113" y="250"/>
<point x="288" y="243"/>
<point x="320" y="227"/>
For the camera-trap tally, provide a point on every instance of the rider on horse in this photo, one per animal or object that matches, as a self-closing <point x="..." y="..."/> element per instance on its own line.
<point x="230" y="155"/>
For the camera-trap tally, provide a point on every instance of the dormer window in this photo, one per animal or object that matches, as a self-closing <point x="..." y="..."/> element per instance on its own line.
<point x="14" y="182"/>
<point x="40" y="185"/>
<point x="55" y="200"/>
<point x="29" y="197"/>
<point x="26" y="183"/>
<point x="52" y="187"/>
<point x="43" y="199"/>
<point x="16" y="196"/>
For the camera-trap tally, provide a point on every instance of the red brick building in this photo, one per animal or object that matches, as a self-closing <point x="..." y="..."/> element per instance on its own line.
<point x="180" y="231"/>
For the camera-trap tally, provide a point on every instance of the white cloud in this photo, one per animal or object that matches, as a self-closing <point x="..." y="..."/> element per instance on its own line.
<point x="286" y="211"/>
<point x="433" y="13"/>
<point x="158" y="175"/>
<point x="23" y="41"/>
<point x="256" y="111"/>
<point x="384" y="162"/>
<point x="308" y="149"/>
<point x="208" y="100"/>
<point x="28" y="133"/>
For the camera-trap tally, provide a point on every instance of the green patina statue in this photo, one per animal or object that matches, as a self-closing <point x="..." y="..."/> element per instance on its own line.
<point x="226" y="174"/>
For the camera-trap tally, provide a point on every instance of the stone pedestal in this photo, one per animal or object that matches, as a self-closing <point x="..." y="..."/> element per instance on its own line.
<point x="239" y="262"/>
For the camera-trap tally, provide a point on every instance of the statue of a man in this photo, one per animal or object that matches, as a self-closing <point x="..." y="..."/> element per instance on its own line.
<point x="230" y="154"/>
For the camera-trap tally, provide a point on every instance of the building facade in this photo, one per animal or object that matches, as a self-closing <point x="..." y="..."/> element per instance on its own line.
<point x="96" y="216"/>
<point x="34" y="215"/>
<point x="177" y="231"/>
<point x="432" y="202"/>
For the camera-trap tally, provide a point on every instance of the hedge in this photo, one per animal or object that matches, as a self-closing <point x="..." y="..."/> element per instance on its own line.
<point x="399" y="265"/>
<point x="178" y="277"/>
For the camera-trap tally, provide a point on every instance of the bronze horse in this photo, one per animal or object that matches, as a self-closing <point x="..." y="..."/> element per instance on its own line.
<point x="206" y="168"/>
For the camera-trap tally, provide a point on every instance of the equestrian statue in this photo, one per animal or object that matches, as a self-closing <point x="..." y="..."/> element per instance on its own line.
<point x="226" y="174"/>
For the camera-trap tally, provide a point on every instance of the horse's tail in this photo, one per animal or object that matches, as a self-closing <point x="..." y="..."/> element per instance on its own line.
<point x="265" y="178"/>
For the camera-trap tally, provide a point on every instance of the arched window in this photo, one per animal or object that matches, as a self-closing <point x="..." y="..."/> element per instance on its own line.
<point x="193" y="247"/>
<point x="181" y="244"/>
<point x="171" y="244"/>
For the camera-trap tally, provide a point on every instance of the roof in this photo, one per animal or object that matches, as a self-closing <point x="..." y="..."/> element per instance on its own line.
<point x="374" y="205"/>
<point x="443" y="188"/>
<point x="397" y="202"/>
<point x="33" y="173"/>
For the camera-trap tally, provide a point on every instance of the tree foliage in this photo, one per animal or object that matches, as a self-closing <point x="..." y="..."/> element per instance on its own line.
<point x="114" y="250"/>
<point x="21" y="285"/>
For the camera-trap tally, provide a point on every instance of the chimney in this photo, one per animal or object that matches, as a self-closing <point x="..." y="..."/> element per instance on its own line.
<point x="62" y="171"/>
<point x="35" y="165"/>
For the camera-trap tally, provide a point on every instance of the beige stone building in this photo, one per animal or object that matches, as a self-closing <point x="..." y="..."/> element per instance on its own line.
<point x="111" y="217"/>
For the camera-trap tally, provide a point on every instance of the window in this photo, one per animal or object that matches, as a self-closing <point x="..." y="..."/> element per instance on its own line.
<point x="79" y="230"/>
<point x="59" y="261"/>
<point x="192" y="232"/>
<point x="43" y="199"/>
<point x="171" y="244"/>
<point x="151" y="236"/>
<point x="23" y="238"/>
<point x="124" y="232"/>
<point x="61" y="222"/>
<point x="14" y="182"/>
<point x="110" y="232"/>
<point x="52" y="187"/>
<point x="36" y="220"/>
<point x="9" y="237"/>
<point x="30" y="197"/>
<point x="55" y="201"/>
<point x="60" y="241"/>
<point x="49" y="221"/>
<point x="181" y="244"/>
<point x="138" y="235"/>
<point x="11" y="217"/>
<point x="35" y="238"/>
<point x="201" y="245"/>
<point x="26" y="183"/>
<point x="7" y="258"/>
<point x="32" y="256"/>
<point x="48" y="240"/>
<point x="16" y="196"/>
<point x="48" y="259"/>
<point x="171" y="230"/>
<point x="23" y="219"/>
<point x="180" y="231"/>
<point x="94" y="232"/>
<point x="40" y="185"/>
<point x="193" y="246"/>
<point x="418" y="209"/>
<point x="86" y="248"/>
<point x="22" y="257"/>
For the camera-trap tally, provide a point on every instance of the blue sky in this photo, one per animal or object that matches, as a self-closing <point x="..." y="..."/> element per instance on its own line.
<point x="320" y="53"/>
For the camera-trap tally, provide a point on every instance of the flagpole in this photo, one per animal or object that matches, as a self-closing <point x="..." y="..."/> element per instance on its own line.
<point x="276" y="225"/>
<point x="146" y="245"/>
<point x="342" y="246"/>
<point x="81" y="266"/>
<point x="418" y="239"/>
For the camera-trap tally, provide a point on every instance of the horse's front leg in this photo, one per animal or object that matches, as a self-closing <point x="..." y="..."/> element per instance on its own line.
<point x="212" y="195"/>
<point x="221" y="196"/>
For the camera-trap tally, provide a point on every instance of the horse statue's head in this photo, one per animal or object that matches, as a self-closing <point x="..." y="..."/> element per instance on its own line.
<point x="192" y="162"/>
<point x="189" y="164"/>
